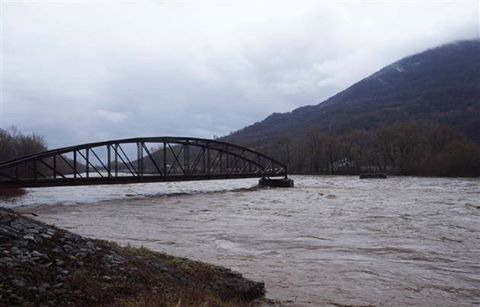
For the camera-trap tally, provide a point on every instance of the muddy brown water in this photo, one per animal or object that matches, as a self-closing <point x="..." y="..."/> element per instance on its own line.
<point x="330" y="240"/>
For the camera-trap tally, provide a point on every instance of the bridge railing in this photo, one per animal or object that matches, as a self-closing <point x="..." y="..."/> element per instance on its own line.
<point x="138" y="160"/>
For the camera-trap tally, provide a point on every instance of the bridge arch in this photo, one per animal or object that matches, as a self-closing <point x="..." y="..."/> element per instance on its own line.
<point x="134" y="160"/>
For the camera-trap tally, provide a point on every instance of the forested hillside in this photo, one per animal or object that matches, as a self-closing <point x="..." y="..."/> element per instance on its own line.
<point x="417" y="116"/>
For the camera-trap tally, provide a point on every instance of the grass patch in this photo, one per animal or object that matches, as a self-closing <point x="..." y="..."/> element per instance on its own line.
<point x="186" y="298"/>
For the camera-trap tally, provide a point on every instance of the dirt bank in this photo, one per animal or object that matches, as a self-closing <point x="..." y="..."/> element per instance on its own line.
<point x="44" y="265"/>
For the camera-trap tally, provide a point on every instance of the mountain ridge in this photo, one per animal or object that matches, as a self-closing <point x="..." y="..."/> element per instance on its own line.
<point x="439" y="85"/>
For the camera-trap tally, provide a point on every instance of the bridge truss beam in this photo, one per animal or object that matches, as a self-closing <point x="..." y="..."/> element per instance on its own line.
<point x="138" y="160"/>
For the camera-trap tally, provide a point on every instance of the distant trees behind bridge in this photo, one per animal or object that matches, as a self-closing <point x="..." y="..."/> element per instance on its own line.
<point x="401" y="149"/>
<point x="14" y="144"/>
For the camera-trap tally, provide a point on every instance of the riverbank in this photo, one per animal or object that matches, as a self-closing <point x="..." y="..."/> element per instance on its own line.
<point x="45" y="265"/>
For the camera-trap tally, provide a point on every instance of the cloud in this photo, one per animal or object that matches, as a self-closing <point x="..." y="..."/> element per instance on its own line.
<point x="112" y="117"/>
<point x="85" y="71"/>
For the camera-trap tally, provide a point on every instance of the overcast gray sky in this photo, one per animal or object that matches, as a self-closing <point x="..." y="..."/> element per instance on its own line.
<point x="82" y="71"/>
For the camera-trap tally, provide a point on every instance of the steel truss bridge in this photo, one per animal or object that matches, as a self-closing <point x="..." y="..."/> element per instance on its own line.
<point x="135" y="160"/>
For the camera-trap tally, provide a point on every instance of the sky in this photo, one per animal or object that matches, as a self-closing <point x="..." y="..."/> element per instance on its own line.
<point x="83" y="71"/>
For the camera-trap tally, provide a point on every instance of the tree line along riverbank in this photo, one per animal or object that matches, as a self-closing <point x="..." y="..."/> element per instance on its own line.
<point x="406" y="149"/>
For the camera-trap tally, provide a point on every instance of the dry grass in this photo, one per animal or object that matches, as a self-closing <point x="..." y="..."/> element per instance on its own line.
<point x="182" y="264"/>
<point x="186" y="298"/>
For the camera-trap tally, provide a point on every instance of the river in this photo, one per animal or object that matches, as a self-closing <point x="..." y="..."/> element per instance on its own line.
<point x="331" y="240"/>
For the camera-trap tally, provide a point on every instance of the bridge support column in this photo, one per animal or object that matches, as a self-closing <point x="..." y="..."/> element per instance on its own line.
<point x="276" y="183"/>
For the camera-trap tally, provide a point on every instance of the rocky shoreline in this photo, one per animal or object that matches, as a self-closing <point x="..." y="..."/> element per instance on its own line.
<point x="44" y="265"/>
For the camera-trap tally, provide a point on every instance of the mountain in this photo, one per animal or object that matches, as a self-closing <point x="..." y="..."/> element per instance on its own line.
<point x="438" y="86"/>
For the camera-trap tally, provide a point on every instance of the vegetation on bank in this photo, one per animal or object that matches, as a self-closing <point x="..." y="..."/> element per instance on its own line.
<point x="14" y="144"/>
<point x="411" y="149"/>
<point x="403" y="149"/>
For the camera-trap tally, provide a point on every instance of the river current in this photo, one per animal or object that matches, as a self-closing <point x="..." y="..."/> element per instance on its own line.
<point x="328" y="241"/>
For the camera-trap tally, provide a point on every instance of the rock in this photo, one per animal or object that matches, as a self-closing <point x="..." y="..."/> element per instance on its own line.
<point x="7" y="261"/>
<point x="80" y="255"/>
<point x="24" y="259"/>
<point x="16" y="225"/>
<point x="60" y="291"/>
<point x="8" y="231"/>
<point x="14" y="250"/>
<point x="39" y="255"/>
<point x="19" y="282"/>
<point x="32" y="231"/>
<point x="29" y="237"/>
<point x="67" y="248"/>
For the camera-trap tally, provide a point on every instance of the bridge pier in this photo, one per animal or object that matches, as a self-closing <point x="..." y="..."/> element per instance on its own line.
<point x="276" y="183"/>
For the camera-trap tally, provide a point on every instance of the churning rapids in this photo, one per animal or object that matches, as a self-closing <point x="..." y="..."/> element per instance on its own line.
<point x="328" y="241"/>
